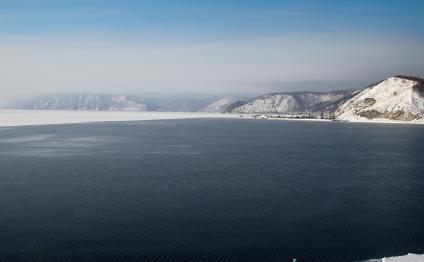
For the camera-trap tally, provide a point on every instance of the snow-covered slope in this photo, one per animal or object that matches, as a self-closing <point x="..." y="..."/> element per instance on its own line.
<point x="296" y="103"/>
<point x="221" y="105"/>
<point x="397" y="98"/>
<point x="95" y="102"/>
<point x="406" y="258"/>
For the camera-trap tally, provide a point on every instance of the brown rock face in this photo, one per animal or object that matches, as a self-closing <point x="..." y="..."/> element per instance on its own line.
<point x="398" y="115"/>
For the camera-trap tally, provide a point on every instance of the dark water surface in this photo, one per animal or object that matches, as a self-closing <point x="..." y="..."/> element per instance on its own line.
<point x="211" y="190"/>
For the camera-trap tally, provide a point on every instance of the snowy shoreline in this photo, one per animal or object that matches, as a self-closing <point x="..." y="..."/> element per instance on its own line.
<point x="383" y="121"/>
<point x="406" y="258"/>
<point x="364" y="121"/>
<point x="14" y="118"/>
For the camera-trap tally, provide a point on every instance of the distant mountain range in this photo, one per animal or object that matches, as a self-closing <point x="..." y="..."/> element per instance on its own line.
<point x="107" y="102"/>
<point x="397" y="98"/>
<point x="298" y="103"/>
<point x="93" y="102"/>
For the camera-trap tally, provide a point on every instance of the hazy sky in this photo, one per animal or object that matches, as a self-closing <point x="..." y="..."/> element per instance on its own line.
<point x="215" y="46"/>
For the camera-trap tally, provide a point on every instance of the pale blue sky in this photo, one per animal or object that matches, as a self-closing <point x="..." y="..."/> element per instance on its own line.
<point x="246" y="46"/>
<point x="216" y="17"/>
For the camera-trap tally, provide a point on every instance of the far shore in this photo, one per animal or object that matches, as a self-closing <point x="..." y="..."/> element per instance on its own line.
<point x="299" y="118"/>
<point x="13" y="118"/>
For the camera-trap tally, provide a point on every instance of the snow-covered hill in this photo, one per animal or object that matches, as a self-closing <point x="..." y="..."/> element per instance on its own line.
<point x="221" y="105"/>
<point x="397" y="98"/>
<point x="296" y="103"/>
<point x="94" y="102"/>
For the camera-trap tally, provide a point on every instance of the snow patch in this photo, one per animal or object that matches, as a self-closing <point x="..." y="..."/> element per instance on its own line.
<point x="47" y="117"/>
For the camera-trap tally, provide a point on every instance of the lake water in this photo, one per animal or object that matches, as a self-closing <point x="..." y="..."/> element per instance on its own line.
<point x="211" y="190"/>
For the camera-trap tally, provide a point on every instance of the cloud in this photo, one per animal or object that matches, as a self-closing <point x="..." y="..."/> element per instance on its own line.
<point x="45" y="64"/>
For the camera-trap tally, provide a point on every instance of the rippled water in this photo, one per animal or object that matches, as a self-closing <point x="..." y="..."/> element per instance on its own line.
<point x="211" y="190"/>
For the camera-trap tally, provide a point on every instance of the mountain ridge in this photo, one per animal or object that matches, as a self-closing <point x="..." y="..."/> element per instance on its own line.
<point x="399" y="97"/>
<point x="90" y="102"/>
<point x="290" y="103"/>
